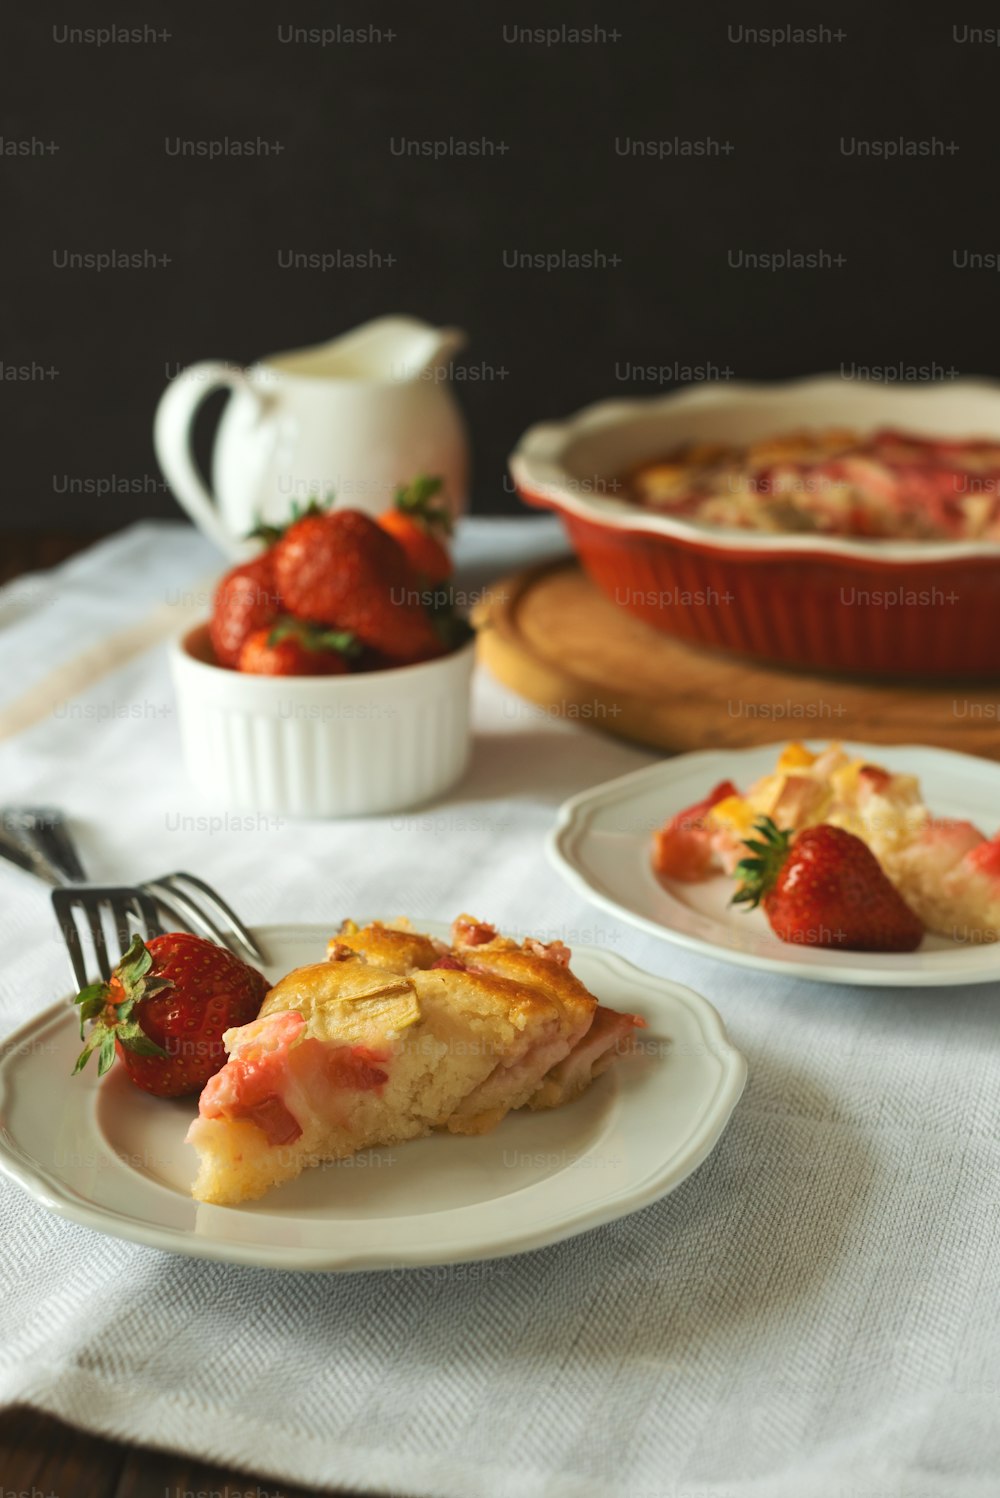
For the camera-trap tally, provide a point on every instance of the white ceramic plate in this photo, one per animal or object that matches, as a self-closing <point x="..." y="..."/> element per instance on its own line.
<point x="112" y="1158"/>
<point x="602" y="844"/>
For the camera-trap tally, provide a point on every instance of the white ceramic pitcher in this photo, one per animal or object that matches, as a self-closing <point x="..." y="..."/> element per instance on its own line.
<point x="349" y="419"/>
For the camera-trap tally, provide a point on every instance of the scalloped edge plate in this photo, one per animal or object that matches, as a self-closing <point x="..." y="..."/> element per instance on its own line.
<point x="113" y="1159"/>
<point x="601" y="847"/>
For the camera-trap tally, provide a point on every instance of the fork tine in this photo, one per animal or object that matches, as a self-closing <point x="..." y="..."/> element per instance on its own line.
<point x="120" y="910"/>
<point x="225" y="910"/>
<point x="178" y="921"/>
<point x="131" y="908"/>
<point x="190" y="914"/>
<point x="145" y="907"/>
<point x="93" y="909"/>
<point x="64" y="903"/>
<point x="220" y="909"/>
<point x="128" y="908"/>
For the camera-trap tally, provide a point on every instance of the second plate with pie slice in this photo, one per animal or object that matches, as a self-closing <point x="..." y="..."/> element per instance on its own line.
<point x="602" y="845"/>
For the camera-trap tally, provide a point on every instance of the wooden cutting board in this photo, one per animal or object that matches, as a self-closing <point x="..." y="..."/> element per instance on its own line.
<point x="553" y="637"/>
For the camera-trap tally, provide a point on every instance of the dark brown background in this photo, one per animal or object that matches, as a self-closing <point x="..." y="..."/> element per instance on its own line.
<point x="564" y="338"/>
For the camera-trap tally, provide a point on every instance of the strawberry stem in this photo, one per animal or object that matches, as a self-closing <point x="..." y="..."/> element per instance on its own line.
<point x="419" y="499"/>
<point x="312" y="637"/>
<point x="110" y="1006"/>
<point x="758" y="873"/>
<point x="269" y="532"/>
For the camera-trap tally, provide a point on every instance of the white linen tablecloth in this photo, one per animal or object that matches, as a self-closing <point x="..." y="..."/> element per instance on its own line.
<point x="815" y="1312"/>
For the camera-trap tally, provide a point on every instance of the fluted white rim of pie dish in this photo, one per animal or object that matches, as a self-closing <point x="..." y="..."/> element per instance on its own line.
<point x="540" y="462"/>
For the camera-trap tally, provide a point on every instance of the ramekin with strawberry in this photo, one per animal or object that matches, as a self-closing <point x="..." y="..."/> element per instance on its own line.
<point x="334" y="675"/>
<point x="336" y="591"/>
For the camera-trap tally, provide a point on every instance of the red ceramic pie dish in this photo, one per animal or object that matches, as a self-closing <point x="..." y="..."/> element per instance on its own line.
<point x="832" y="603"/>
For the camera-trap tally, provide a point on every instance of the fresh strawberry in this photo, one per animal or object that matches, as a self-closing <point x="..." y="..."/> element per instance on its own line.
<point x="270" y="531"/>
<point x="165" y="1009"/>
<point x="824" y="887"/>
<point x="245" y="600"/>
<point x="419" y="521"/>
<point x="429" y="558"/>
<point x="682" y="849"/>
<point x="291" y="648"/>
<point x="343" y="570"/>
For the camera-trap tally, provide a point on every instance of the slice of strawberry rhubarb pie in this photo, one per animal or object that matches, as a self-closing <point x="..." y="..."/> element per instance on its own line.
<point x="395" y="1035"/>
<point x="945" y="869"/>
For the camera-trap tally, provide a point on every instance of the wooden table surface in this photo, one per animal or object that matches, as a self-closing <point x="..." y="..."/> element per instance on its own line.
<point x="46" y="1459"/>
<point x="38" y="1454"/>
<point x="25" y="551"/>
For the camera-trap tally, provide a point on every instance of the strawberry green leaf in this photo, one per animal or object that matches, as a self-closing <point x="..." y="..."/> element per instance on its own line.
<point x="106" y="1059"/>
<point x="154" y="986"/>
<point x="112" y="1005"/>
<point x="134" y="1038"/>
<point x="92" y="991"/>
<point x="758" y="873"/>
<point x="340" y="640"/>
<point x="91" y="1001"/>
<point x="269" y="532"/>
<point x="313" y="637"/>
<point x="419" y="498"/>
<point x="135" y="964"/>
<point x="84" y="1056"/>
<point x="133" y="974"/>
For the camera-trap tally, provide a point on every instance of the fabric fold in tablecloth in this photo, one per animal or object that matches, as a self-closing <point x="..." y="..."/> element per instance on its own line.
<point x="814" y="1314"/>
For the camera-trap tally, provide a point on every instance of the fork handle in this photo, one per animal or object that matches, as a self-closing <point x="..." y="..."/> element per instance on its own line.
<point x="42" y="832"/>
<point x="19" y="857"/>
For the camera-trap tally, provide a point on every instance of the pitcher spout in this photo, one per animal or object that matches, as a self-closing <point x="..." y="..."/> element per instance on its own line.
<point x="394" y="349"/>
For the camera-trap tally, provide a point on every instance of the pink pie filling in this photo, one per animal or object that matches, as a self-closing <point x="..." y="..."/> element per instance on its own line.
<point x="267" y="1057"/>
<point x="985" y="858"/>
<point x="469" y="933"/>
<point x="552" y="951"/>
<point x="886" y="484"/>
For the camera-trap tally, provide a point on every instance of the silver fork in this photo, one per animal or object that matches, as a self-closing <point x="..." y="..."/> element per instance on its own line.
<point x="38" y="840"/>
<point x="132" y="912"/>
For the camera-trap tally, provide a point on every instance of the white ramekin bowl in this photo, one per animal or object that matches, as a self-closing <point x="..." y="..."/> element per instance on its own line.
<point x="322" y="746"/>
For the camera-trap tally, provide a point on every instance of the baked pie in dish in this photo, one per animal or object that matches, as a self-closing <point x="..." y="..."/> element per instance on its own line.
<point x="397" y="1034"/>
<point x="884" y="569"/>
<point x="890" y="485"/>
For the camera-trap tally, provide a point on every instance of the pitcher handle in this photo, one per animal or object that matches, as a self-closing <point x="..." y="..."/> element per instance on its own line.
<point x="172" y="433"/>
